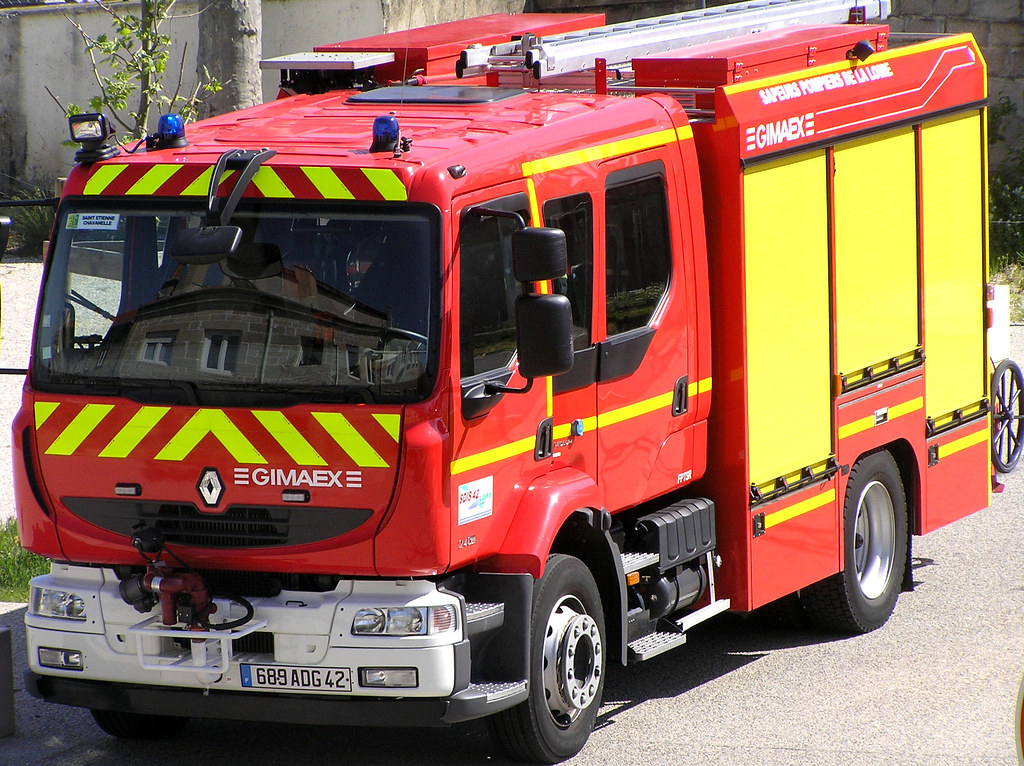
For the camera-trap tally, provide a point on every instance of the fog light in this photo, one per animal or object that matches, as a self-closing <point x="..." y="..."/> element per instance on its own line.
<point x="48" y="602"/>
<point x="392" y="678"/>
<point x="63" y="659"/>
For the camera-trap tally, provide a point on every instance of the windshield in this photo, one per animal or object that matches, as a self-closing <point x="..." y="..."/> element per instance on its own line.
<point x="318" y="302"/>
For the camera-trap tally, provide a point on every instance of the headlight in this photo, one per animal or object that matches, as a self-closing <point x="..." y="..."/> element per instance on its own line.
<point x="48" y="602"/>
<point x="404" y="621"/>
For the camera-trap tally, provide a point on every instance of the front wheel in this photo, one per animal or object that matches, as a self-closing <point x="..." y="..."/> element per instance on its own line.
<point x="861" y="597"/>
<point x="567" y="664"/>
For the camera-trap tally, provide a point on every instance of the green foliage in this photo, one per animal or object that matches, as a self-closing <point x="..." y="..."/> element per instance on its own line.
<point x="17" y="566"/>
<point x="30" y="226"/>
<point x="136" y="53"/>
<point x="1006" y="194"/>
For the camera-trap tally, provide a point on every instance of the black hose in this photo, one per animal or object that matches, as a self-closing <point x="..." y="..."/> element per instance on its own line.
<point x="249" y="612"/>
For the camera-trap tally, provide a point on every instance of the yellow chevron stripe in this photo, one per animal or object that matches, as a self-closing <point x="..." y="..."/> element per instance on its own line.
<point x="134" y="431"/>
<point x="288" y="436"/>
<point x="214" y="422"/>
<point x="270" y="184"/>
<point x="799" y="509"/>
<point x="390" y="423"/>
<point x="102" y="177"/>
<point x="153" y="179"/>
<point x="43" y="410"/>
<point x="201" y="186"/>
<point x="387" y="183"/>
<point x="350" y="440"/>
<point x="78" y="429"/>
<point x="601" y="152"/>
<point x="327" y="183"/>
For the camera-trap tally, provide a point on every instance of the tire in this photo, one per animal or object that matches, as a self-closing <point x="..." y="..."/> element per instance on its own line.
<point x="1007" y="415"/>
<point x="124" y="725"/>
<point x="567" y="668"/>
<point x="862" y="596"/>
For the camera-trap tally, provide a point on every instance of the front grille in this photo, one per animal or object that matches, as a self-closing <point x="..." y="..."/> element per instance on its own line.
<point x="239" y="526"/>
<point x="254" y="643"/>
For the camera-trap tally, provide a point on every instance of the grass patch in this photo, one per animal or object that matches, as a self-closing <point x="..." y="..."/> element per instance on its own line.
<point x="17" y="565"/>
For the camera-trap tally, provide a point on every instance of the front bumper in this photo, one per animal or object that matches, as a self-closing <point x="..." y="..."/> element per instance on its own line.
<point x="460" y="674"/>
<point x="475" y="701"/>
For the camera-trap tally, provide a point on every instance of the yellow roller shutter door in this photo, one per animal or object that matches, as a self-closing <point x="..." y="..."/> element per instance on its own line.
<point x="787" y="316"/>
<point x="953" y="211"/>
<point x="875" y="250"/>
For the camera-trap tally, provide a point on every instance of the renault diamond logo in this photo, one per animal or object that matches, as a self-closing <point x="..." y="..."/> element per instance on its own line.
<point x="210" y="487"/>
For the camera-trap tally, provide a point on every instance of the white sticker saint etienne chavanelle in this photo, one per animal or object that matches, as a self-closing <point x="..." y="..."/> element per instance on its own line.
<point x="476" y="500"/>
<point x="94" y="221"/>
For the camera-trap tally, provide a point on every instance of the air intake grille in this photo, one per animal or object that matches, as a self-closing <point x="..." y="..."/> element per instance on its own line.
<point x="239" y="526"/>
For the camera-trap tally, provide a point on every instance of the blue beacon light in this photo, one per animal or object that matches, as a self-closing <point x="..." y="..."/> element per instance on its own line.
<point x="385" y="133"/>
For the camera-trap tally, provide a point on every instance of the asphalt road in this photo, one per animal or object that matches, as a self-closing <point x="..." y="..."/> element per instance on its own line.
<point x="938" y="684"/>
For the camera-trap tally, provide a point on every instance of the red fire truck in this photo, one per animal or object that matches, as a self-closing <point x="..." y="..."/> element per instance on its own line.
<point x="495" y="352"/>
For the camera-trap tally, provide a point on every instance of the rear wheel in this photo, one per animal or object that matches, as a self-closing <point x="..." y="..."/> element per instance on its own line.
<point x="567" y="665"/>
<point x="124" y="725"/>
<point x="1007" y="416"/>
<point x="861" y="597"/>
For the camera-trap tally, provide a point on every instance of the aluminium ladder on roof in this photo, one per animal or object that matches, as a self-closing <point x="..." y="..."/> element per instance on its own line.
<point x="618" y="44"/>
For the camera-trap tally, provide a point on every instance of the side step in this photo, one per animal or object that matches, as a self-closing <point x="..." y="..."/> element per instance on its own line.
<point x="653" y="644"/>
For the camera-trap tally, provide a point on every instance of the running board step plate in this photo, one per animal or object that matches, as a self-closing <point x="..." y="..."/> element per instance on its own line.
<point x="653" y="644"/>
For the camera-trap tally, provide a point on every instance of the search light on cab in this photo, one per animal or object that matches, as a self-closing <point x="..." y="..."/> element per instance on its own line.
<point x="92" y="132"/>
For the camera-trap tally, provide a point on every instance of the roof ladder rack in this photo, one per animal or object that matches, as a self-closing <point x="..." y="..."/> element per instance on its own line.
<point x="618" y="44"/>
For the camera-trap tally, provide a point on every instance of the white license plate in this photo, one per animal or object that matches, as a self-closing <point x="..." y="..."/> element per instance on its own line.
<point x="289" y="677"/>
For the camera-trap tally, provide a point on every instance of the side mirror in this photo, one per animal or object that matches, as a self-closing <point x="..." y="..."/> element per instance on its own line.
<point x="5" y="232"/>
<point x="543" y="335"/>
<point x="208" y="244"/>
<point x="539" y="254"/>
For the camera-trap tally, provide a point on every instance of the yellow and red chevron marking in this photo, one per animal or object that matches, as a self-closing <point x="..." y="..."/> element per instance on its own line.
<point x="255" y="437"/>
<point x="287" y="182"/>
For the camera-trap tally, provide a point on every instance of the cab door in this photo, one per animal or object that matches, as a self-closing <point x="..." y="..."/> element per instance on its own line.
<point x="643" y="331"/>
<point x="494" y="434"/>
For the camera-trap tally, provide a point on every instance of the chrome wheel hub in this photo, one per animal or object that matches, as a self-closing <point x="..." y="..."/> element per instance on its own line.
<point x="573" y="660"/>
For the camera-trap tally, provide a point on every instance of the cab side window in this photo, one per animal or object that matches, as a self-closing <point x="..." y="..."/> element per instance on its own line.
<point x="575" y="216"/>
<point x="488" y="288"/>
<point x="636" y="246"/>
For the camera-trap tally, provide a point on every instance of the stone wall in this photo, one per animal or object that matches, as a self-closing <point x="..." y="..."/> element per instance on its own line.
<point x="40" y="50"/>
<point x="998" y="26"/>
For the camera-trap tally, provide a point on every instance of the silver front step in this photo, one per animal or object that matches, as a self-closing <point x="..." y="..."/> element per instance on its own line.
<point x="653" y="644"/>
